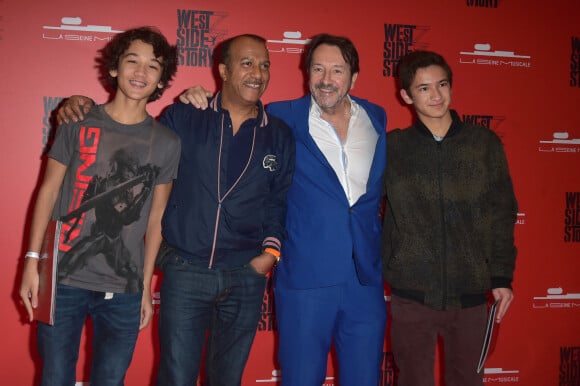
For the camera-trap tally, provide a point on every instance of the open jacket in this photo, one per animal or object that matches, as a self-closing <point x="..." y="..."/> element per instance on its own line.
<point x="229" y="226"/>
<point x="325" y="233"/>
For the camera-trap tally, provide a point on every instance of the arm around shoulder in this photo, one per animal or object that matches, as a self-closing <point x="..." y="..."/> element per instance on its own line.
<point x="74" y="109"/>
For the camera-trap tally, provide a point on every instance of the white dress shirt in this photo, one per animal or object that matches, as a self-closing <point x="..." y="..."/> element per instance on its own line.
<point x="352" y="159"/>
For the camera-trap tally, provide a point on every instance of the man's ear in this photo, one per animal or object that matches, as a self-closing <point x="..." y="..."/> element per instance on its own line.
<point x="408" y="100"/>
<point x="223" y="70"/>
<point x="353" y="80"/>
<point x="113" y="73"/>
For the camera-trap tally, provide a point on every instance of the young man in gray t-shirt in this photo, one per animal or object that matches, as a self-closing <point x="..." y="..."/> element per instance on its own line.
<point x="107" y="180"/>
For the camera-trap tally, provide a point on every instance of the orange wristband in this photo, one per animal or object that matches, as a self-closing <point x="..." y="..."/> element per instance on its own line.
<point x="274" y="252"/>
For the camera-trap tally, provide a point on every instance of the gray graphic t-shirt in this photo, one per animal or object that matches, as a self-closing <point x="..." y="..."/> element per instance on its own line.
<point x="105" y="198"/>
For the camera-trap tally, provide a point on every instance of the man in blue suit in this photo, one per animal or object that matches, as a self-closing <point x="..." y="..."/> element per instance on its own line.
<point x="328" y="285"/>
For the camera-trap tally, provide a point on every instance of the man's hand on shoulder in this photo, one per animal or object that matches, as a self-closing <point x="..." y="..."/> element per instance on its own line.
<point x="74" y="109"/>
<point x="197" y="96"/>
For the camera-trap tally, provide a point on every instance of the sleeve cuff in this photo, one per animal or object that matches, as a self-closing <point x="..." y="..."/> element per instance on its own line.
<point x="501" y="282"/>
<point x="272" y="242"/>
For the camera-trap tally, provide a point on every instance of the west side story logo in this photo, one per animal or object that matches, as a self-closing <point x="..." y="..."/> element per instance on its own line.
<point x="483" y="55"/>
<point x="291" y="43"/>
<point x="556" y="298"/>
<point x="499" y="375"/>
<point x="388" y="370"/>
<point x="572" y="218"/>
<point x="575" y="62"/>
<point x="197" y="35"/>
<point x="483" y="120"/>
<point x="561" y="142"/>
<point x="488" y="121"/>
<point x="482" y="3"/>
<point x="277" y="378"/>
<point x="48" y="120"/>
<point x="400" y="39"/>
<point x="73" y="29"/>
<point x="569" y="366"/>
<point x="267" y="320"/>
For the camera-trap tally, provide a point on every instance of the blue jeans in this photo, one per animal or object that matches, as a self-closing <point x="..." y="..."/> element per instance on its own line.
<point x="196" y="300"/>
<point x="115" y="328"/>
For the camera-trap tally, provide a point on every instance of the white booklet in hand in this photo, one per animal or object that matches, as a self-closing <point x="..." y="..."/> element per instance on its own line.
<point x="488" y="336"/>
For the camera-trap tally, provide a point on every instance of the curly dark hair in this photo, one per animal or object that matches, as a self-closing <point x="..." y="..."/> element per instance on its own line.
<point x="113" y="51"/>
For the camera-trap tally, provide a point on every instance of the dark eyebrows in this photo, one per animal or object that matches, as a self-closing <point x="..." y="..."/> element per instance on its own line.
<point x="254" y="59"/>
<point x="444" y="80"/>
<point x="132" y="54"/>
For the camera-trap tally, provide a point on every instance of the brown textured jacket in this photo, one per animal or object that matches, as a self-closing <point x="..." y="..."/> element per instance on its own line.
<point x="448" y="235"/>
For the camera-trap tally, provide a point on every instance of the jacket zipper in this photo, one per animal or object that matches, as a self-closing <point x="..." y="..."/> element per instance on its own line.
<point x="443" y="230"/>
<point x="221" y="198"/>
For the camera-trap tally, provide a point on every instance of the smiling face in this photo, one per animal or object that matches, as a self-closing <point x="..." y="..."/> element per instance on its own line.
<point x="430" y="94"/>
<point x="138" y="72"/>
<point x="247" y="72"/>
<point x="330" y="77"/>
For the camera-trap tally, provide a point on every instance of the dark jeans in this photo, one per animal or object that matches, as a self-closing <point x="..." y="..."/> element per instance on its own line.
<point x="115" y="329"/>
<point x="414" y="332"/>
<point x="195" y="300"/>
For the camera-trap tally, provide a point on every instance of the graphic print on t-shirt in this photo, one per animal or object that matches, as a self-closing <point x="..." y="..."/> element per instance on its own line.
<point x="116" y="198"/>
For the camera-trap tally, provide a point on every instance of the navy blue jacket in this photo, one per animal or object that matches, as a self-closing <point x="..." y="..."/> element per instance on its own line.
<point x="229" y="225"/>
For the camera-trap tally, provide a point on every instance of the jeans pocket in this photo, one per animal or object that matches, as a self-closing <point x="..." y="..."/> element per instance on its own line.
<point x="250" y="268"/>
<point x="163" y="255"/>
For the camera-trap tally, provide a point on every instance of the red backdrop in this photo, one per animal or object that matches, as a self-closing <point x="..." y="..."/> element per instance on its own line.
<point x="517" y="71"/>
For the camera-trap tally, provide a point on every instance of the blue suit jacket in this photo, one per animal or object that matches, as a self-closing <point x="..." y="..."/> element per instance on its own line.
<point x="324" y="232"/>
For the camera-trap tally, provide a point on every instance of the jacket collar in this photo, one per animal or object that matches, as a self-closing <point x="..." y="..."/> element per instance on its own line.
<point x="216" y="105"/>
<point x="456" y="126"/>
<point x="299" y="121"/>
